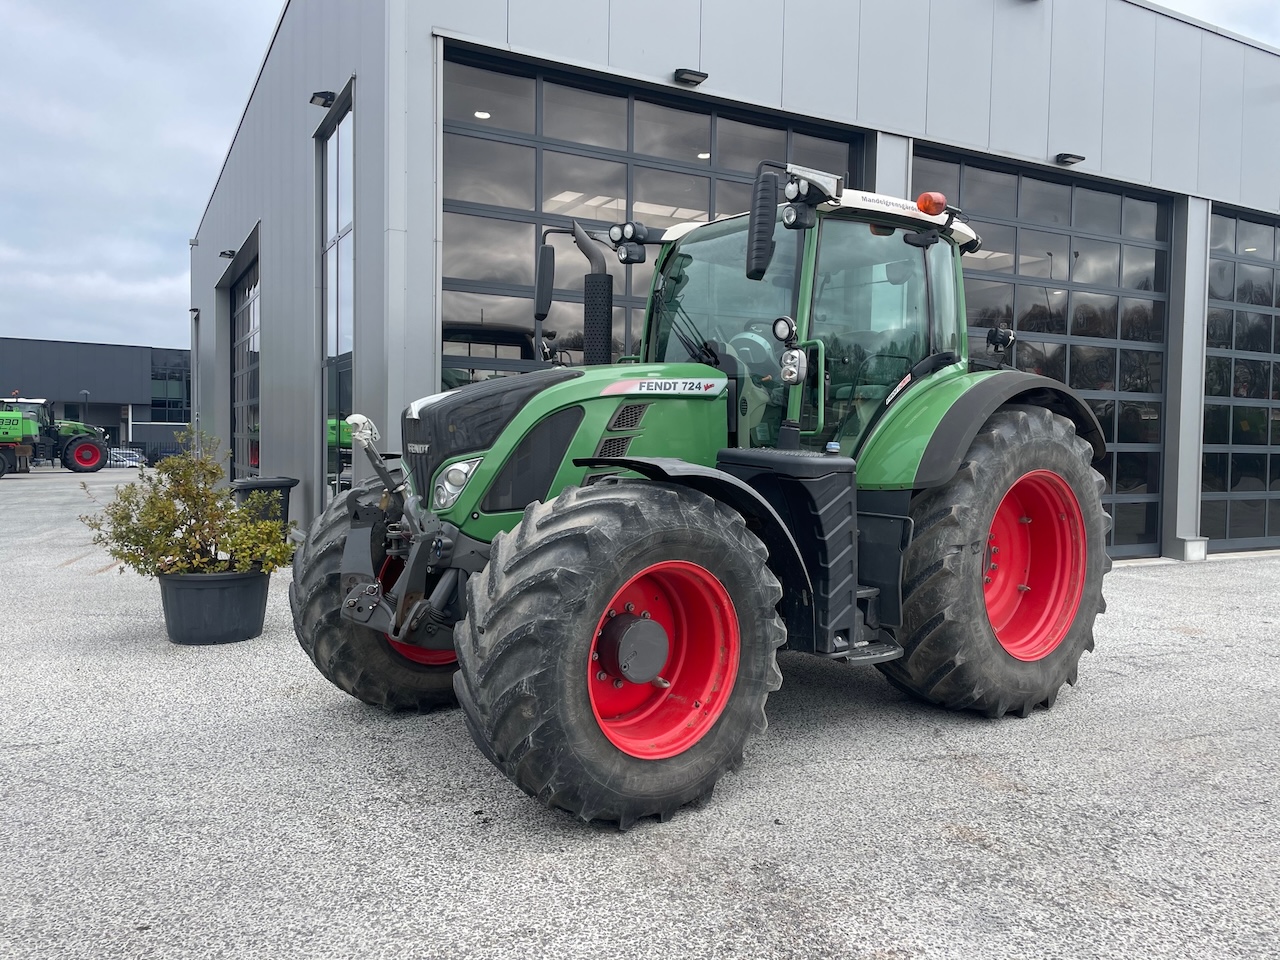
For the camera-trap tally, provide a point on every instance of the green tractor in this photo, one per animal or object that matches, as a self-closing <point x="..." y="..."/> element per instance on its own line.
<point x="601" y="563"/>
<point x="28" y="430"/>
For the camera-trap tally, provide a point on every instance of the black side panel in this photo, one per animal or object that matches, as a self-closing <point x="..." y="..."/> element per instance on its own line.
<point x="528" y="472"/>
<point x="959" y="425"/>
<point x="785" y="559"/>
<point x="814" y="496"/>
<point x="884" y="532"/>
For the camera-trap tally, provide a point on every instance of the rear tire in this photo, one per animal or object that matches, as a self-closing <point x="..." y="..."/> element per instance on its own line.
<point x="84" y="455"/>
<point x="357" y="660"/>
<point x="532" y="649"/>
<point x="1003" y="577"/>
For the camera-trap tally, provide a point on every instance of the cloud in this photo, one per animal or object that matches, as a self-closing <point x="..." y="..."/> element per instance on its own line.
<point x="1257" y="19"/>
<point x="115" y="121"/>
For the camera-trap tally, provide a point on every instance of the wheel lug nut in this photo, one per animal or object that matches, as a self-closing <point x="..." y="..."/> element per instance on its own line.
<point x="602" y="675"/>
<point x="986" y="579"/>
<point x="617" y="684"/>
<point x="630" y="607"/>
<point x="595" y="655"/>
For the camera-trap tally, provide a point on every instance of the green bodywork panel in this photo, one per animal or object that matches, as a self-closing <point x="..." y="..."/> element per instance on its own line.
<point x="690" y="426"/>
<point x="890" y="457"/>
<point x="339" y="433"/>
<point x="74" y="428"/>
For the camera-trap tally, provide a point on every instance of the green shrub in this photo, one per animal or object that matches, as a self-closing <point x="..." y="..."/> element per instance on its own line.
<point x="178" y="519"/>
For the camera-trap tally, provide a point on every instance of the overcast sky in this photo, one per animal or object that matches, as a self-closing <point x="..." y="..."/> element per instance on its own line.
<point x="114" y="120"/>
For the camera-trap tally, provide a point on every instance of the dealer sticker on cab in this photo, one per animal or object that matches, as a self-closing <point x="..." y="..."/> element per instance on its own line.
<point x="667" y="386"/>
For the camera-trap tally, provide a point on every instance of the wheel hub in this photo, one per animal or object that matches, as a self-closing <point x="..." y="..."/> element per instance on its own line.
<point x="633" y="648"/>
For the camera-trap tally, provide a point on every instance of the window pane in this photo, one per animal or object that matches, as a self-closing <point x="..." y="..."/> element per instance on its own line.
<point x="486" y="171"/>
<point x="1213" y="473"/>
<point x="937" y="175"/>
<point x="1140" y="371"/>
<point x="583" y="188"/>
<point x="1246" y="518"/>
<point x="1248" y="472"/>
<point x="1105" y="411"/>
<point x="1140" y="219"/>
<point x="330" y="189"/>
<point x="1275" y="473"/>
<point x="1250" y="379"/>
<point x="472" y="95"/>
<point x="1217" y="376"/>
<point x="477" y="248"/>
<point x="1044" y="359"/>
<point x="1213" y="519"/>
<point x="740" y="146"/>
<point x="1042" y="310"/>
<point x="1275" y="381"/>
<point x="1218" y="328"/>
<point x="829" y="155"/>
<point x="1254" y="284"/>
<point x="1248" y="425"/>
<point x="584" y="117"/>
<point x="1093" y="368"/>
<point x="1096" y="262"/>
<point x="1256" y="240"/>
<point x="346" y="292"/>
<point x="1273" y="518"/>
<point x="1142" y="320"/>
<point x="1044" y="254"/>
<point x="989" y="192"/>
<point x="1144" y="269"/>
<point x="988" y="304"/>
<point x="1253" y="332"/>
<point x="1044" y="201"/>
<point x="1217" y="423"/>
<point x="1139" y="422"/>
<point x="1137" y="473"/>
<point x="1097" y="212"/>
<point x="331" y="301"/>
<point x="1222" y="280"/>
<point x="663" y="198"/>
<point x="1094" y="315"/>
<point x="1222" y="234"/>
<point x="675" y="134"/>
<point x="1136" y="523"/>
<point x="732" y="197"/>
<point x="462" y="310"/>
<point x="996" y="255"/>
<point x="346" y="177"/>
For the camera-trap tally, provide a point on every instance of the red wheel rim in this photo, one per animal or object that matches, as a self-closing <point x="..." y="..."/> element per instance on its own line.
<point x="387" y="576"/>
<point x="653" y="722"/>
<point x="1035" y="564"/>
<point x="87" y="454"/>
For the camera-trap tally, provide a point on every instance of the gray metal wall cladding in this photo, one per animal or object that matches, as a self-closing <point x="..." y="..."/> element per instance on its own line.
<point x="59" y="370"/>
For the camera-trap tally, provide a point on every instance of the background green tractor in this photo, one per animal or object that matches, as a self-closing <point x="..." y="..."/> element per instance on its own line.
<point x="29" y="431"/>
<point x="602" y="562"/>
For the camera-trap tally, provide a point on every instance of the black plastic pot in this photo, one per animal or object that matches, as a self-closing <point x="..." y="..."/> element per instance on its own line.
<point x="280" y="485"/>
<point x="214" y="607"/>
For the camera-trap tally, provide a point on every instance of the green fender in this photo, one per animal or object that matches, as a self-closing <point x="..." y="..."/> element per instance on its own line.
<point x="922" y="438"/>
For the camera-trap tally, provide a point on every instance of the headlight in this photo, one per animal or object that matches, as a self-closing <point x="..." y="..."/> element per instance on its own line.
<point x="452" y="482"/>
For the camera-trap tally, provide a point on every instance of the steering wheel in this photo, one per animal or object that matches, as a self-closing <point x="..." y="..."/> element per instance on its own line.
<point x="755" y="352"/>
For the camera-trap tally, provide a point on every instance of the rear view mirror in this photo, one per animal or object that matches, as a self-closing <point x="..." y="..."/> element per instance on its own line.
<point x="764" y="211"/>
<point x="545" y="281"/>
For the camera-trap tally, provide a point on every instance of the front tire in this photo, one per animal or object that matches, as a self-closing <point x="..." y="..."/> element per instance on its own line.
<point x="545" y="690"/>
<point x="84" y="455"/>
<point x="1003" y="577"/>
<point x="362" y="662"/>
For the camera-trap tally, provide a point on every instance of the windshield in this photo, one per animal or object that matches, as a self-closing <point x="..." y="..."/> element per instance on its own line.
<point x="703" y="296"/>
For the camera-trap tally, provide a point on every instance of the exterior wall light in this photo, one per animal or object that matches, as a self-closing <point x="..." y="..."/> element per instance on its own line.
<point x="323" y="98"/>
<point x="1067" y="159"/>
<point x="689" y="76"/>
<point x="226" y="254"/>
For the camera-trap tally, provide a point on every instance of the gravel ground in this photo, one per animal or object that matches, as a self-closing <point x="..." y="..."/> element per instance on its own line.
<point x="161" y="801"/>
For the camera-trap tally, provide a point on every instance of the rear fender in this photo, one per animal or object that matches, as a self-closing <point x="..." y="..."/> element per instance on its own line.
<point x="922" y="440"/>
<point x="785" y="559"/>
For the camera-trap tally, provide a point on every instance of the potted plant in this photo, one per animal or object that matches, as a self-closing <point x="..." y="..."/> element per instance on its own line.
<point x="212" y="555"/>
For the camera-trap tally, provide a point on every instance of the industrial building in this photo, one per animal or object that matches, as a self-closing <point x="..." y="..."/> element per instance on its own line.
<point x="371" y="235"/>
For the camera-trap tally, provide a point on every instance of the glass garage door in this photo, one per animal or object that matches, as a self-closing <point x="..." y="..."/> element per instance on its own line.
<point x="526" y="149"/>
<point x="1080" y="273"/>
<point x="1240" y="472"/>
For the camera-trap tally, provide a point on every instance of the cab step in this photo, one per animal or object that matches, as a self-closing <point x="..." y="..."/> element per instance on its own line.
<point x="878" y="652"/>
